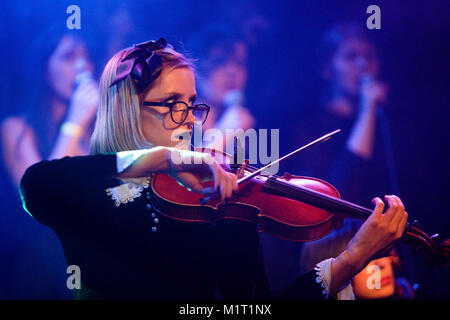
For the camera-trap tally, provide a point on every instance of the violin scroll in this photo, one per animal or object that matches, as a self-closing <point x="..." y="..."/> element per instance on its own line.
<point x="420" y="241"/>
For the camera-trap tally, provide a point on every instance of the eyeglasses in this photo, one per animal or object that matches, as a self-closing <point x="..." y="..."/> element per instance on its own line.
<point x="179" y="110"/>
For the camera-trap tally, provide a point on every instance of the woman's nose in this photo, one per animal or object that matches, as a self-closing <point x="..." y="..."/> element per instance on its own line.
<point x="190" y="117"/>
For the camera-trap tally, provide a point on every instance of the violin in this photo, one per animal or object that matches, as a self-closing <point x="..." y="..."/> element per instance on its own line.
<point x="291" y="207"/>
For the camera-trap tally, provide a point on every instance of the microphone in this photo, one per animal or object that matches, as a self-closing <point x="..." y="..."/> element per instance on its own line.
<point x="82" y="73"/>
<point x="367" y="78"/>
<point x="233" y="98"/>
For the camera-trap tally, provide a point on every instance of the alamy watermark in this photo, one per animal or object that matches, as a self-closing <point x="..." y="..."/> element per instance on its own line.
<point x="374" y="20"/>
<point x="74" y="280"/>
<point x="374" y="280"/>
<point x="74" y="20"/>
<point x="253" y="145"/>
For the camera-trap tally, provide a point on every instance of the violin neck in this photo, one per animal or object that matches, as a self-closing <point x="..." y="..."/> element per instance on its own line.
<point x="415" y="237"/>
<point x="316" y="199"/>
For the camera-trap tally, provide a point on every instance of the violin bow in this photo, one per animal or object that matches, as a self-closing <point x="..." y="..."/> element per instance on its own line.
<point x="323" y="138"/>
<point x="289" y="155"/>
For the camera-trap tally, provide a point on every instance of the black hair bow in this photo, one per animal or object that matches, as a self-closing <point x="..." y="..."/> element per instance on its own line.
<point x="141" y="63"/>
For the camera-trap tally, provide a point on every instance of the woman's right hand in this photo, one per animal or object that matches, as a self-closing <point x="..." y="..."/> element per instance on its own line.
<point x="379" y="232"/>
<point x="192" y="168"/>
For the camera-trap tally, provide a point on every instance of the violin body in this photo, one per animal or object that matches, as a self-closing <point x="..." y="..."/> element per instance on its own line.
<point x="283" y="216"/>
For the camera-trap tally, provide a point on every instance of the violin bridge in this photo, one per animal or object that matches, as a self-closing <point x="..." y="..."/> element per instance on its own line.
<point x="241" y="170"/>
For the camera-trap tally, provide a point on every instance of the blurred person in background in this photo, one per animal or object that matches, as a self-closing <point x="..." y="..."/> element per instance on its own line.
<point x="222" y="54"/>
<point x="56" y="121"/>
<point x="59" y="109"/>
<point x="352" y="100"/>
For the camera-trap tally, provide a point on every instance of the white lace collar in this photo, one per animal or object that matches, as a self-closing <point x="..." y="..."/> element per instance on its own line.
<point x="130" y="189"/>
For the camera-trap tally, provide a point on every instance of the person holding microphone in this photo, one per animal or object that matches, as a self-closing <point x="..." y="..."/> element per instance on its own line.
<point x="58" y="113"/>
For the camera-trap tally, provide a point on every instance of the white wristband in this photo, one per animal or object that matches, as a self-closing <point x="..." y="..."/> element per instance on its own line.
<point x="72" y="129"/>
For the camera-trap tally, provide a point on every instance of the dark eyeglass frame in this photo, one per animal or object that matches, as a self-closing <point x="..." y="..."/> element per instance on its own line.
<point x="171" y="104"/>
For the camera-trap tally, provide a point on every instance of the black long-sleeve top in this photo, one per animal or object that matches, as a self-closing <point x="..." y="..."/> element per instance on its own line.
<point x="132" y="252"/>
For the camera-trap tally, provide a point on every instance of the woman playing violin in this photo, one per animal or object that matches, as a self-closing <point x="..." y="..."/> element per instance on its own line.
<point x="100" y="205"/>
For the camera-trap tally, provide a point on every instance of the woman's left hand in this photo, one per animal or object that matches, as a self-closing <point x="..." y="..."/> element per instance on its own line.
<point x="380" y="231"/>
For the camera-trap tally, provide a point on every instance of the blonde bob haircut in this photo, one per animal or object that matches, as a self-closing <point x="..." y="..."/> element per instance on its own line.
<point x="118" y="125"/>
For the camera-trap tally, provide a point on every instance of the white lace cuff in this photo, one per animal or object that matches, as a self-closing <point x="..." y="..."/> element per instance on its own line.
<point x="323" y="271"/>
<point x="124" y="159"/>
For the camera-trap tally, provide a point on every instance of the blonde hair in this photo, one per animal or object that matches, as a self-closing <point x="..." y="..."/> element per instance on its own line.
<point x="118" y="125"/>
